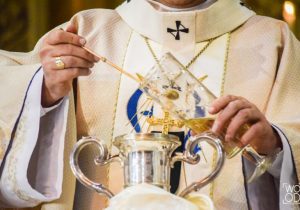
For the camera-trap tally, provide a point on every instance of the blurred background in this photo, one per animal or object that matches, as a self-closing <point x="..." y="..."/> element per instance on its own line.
<point x="23" y="22"/>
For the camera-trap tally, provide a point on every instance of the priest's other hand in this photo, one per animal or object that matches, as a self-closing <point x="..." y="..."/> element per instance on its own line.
<point x="235" y="112"/>
<point x="63" y="59"/>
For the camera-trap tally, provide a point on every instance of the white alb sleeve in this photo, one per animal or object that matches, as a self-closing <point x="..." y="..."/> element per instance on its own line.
<point x="33" y="170"/>
<point x="45" y="110"/>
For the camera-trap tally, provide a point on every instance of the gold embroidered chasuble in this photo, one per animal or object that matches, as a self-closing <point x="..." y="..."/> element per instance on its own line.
<point x="263" y="66"/>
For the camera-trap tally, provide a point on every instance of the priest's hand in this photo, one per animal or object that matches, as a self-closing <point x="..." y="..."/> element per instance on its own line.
<point x="63" y="59"/>
<point x="235" y="112"/>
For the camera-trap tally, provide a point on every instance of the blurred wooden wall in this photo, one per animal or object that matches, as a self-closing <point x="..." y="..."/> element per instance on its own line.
<point x="274" y="8"/>
<point x="23" y="22"/>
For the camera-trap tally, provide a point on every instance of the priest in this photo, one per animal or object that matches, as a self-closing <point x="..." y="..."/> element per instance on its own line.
<point x="60" y="92"/>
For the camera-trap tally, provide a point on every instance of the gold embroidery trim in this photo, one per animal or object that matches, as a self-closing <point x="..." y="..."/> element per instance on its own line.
<point x="115" y="108"/>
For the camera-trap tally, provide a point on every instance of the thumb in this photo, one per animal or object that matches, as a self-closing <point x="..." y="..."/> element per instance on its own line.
<point x="72" y="28"/>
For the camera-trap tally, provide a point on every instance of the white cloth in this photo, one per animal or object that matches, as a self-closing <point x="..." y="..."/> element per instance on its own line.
<point x="33" y="173"/>
<point x="45" y="110"/>
<point x="135" y="198"/>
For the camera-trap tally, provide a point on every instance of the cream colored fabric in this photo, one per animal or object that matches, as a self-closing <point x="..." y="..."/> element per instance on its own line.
<point x="97" y="94"/>
<point x="265" y="72"/>
<point x="8" y="116"/>
<point x="135" y="198"/>
<point x="263" y="67"/>
<point x="100" y="41"/>
<point x="157" y="22"/>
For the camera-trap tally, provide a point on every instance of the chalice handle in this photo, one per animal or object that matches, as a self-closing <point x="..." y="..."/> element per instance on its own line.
<point x="102" y="159"/>
<point x="215" y="142"/>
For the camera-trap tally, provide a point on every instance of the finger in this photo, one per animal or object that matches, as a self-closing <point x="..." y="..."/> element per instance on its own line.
<point x="251" y="134"/>
<point x="221" y="103"/>
<point x="193" y="133"/>
<point x="72" y="50"/>
<point x="240" y="123"/>
<point x="64" y="37"/>
<point x="72" y="28"/>
<point x="71" y="73"/>
<point x="229" y="112"/>
<point x="76" y="72"/>
<point x="66" y="75"/>
<point x="72" y="62"/>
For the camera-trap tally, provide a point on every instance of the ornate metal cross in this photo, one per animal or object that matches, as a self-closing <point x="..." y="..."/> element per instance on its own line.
<point x="166" y="122"/>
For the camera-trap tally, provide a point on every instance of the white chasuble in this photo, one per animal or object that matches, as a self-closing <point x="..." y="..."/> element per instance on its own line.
<point x="110" y="104"/>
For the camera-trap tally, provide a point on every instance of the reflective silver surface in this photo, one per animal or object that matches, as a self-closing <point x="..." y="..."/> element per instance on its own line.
<point x="146" y="158"/>
<point x="103" y="156"/>
<point x="147" y="167"/>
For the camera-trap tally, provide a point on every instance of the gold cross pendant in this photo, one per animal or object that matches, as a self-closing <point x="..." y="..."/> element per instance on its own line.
<point x="166" y="122"/>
